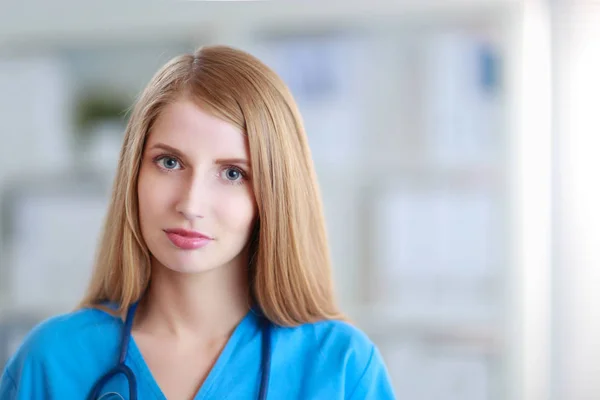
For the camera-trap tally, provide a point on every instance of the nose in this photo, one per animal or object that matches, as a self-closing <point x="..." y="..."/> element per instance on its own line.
<point x="192" y="203"/>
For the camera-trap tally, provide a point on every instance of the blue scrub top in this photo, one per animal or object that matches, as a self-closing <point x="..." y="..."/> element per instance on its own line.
<point x="64" y="356"/>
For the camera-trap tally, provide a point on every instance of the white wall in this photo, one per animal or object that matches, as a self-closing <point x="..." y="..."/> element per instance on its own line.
<point x="576" y="281"/>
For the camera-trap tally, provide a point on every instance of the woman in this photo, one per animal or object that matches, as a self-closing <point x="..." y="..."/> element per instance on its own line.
<point x="212" y="278"/>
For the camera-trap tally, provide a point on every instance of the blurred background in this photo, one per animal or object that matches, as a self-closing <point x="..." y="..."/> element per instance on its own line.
<point x="455" y="144"/>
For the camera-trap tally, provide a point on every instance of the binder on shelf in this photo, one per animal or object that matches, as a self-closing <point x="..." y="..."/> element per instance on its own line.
<point x="51" y="226"/>
<point x="435" y="247"/>
<point x="323" y="74"/>
<point x="461" y="104"/>
<point x="422" y="369"/>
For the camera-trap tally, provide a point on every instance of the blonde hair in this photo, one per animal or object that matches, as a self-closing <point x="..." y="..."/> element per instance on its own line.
<point x="290" y="271"/>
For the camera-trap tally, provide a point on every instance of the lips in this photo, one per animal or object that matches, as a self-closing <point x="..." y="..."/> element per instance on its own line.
<point x="188" y="240"/>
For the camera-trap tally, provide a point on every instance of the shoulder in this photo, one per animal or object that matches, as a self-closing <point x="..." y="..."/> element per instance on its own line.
<point x="66" y="328"/>
<point x="54" y="337"/>
<point x="339" y="350"/>
<point x="330" y="337"/>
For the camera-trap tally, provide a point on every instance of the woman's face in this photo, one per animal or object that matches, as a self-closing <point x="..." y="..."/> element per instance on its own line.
<point x="196" y="204"/>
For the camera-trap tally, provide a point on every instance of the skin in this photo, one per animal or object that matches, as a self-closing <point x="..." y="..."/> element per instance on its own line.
<point x="195" y="174"/>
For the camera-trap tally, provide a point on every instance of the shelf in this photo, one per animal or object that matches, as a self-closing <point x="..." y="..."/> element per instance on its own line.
<point x="76" y="21"/>
<point x="385" y="324"/>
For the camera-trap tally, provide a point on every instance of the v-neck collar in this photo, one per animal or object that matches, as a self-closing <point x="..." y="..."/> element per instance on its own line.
<point x="243" y="330"/>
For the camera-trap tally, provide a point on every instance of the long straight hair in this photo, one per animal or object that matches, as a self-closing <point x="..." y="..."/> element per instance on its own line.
<point x="289" y="267"/>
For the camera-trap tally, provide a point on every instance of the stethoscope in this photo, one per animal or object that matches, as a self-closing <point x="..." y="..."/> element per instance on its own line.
<point x="121" y="368"/>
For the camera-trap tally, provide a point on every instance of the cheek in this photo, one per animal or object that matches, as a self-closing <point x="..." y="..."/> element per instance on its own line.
<point x="237" y="212"/>
<point x="152" y="197"/>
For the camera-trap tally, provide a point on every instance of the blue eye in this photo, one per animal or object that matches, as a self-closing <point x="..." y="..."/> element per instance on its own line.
<point x="169" y="163"/>
<point x="233" y="175"/>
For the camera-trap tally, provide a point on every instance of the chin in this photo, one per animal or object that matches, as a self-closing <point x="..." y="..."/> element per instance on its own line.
<point x="188" y="269"/>
<point x="166" y="255"/>
<point x="188" y="265"/>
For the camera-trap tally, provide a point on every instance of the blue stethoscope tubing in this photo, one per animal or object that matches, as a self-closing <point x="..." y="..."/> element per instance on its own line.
<point x="121" y="368"/>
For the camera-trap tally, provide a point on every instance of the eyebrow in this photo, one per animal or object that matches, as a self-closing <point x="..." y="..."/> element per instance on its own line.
<point x="179" y="154"/>
<point x="232" y="161"/>
<point x="168" y="148"/>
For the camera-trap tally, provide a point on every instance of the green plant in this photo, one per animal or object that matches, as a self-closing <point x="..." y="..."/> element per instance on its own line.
<point x="97" y="107"/>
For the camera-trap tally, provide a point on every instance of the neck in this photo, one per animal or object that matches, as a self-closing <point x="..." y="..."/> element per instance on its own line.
<point x="206" y="305"/>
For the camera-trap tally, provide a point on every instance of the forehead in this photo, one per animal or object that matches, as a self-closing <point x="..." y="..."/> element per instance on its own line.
<point x="189" y="128"/>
